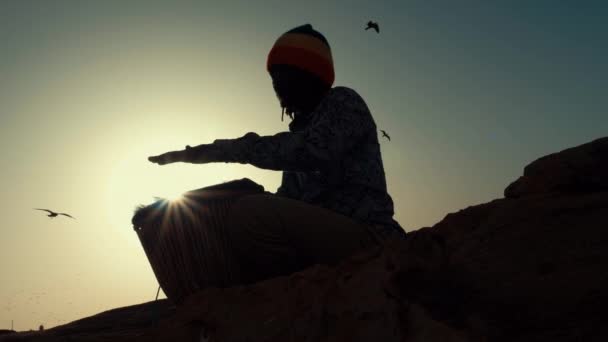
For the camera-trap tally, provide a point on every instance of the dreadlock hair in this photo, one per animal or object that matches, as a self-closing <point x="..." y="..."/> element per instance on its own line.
<point x="297" y="88"/>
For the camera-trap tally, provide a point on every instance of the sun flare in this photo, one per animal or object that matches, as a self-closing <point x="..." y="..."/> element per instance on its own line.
<point x="174" y="197"/>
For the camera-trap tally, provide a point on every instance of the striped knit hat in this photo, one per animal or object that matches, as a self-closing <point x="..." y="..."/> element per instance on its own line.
<point x="305" y="48"/>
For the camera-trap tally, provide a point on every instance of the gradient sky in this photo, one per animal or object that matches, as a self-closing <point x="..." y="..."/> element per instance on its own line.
<point x="470" y="91"/>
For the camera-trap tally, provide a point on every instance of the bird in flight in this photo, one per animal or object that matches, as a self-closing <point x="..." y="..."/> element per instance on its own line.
<point x="384" y="134"/>
<point x="374" y="25"/>
<point x="53" y="214"/>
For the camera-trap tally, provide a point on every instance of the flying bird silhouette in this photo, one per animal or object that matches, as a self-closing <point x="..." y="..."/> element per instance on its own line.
<point x="54" y="214"/>
<point x="384" y="134"/>
<point x="374" y="25"/>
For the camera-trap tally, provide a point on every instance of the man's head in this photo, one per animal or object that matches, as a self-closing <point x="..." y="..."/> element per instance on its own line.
<point x="301" y="67"/>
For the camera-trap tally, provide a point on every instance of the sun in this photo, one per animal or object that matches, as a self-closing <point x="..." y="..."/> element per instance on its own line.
<point x="175" y="197"/>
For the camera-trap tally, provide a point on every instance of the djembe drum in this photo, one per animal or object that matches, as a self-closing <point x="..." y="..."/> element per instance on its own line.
<point x="186" y="241"/>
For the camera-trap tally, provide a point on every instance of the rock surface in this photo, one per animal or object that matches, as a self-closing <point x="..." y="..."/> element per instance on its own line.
<point x="528" y="267"/>
<point x="112" y="325"/>
<point x="575" y="170"/>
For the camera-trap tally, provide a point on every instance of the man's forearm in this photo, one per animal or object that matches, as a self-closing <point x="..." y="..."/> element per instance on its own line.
<point x="201" y="154"/>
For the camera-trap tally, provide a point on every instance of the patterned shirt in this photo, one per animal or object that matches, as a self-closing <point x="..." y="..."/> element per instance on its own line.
<point x="329" y="158"/>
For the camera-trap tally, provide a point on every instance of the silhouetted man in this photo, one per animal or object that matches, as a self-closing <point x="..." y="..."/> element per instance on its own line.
<point x="333" y="199"/>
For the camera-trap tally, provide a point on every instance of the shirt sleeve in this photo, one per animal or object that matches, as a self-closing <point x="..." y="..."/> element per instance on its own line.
<point x="338" y="123"/>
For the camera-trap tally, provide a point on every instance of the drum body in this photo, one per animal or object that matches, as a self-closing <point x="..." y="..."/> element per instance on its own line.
<point x="186" y="241"/>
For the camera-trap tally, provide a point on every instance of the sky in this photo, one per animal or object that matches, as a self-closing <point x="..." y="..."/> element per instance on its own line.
<point x="470" y="92"/>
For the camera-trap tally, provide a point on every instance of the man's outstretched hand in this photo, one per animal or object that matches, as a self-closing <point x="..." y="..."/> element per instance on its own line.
<point x="201" y="154"/>
<point x="170" y="157"/>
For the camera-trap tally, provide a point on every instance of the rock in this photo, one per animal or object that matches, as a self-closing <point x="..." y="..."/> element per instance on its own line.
<point x="112" y="325"/>
<point x="575" y="170"/>
<point x="528" y="267"/>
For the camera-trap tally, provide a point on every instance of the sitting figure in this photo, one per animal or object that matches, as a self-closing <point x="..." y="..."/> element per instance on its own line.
<point x="333" y="199"/>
